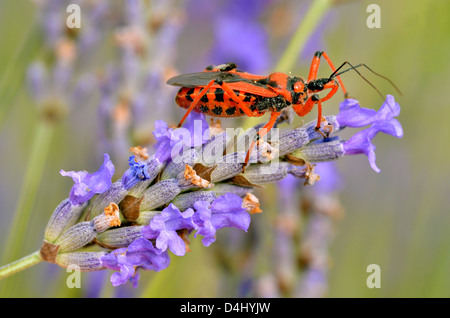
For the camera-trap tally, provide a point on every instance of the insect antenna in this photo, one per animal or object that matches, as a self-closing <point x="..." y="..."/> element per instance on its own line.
<point x="335" y="73"/>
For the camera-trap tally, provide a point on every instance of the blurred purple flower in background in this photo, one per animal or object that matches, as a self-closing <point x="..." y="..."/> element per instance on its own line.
<point x="238" y="34"/>
<point x="67" y="82"/>
<point x="133" y="89"/>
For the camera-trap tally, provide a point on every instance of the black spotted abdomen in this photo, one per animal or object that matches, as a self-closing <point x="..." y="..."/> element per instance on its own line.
<point x="218" y="103"/>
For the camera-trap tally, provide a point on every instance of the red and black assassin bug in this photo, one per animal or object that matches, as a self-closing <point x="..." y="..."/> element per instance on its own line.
<point x="225" y="91"/>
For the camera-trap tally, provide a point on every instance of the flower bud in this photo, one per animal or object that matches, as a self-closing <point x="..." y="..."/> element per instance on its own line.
<point x="266" y="173"/>
<point x="321" y="151"/>
<point x="109" y="218"/>
<point x="115" y="194"/>
<point x="154" y="168"/>
<point x="120" y="237"/>
<point x="186" y="200"/>
<point x="189" y="178"/>
<point x="251" y="203"/>
<point x="306" y="172"/>
<point x="330" y="121"/>
<point x="146" y="216"/>
<point x="228" y="166"/>
<point x="64" y="216"/>
<point x="159" y="194"/>
<point x="264" y="152"/>
<point x="177" y="165"/>
<point x="76" y="237"/>
<point x="86" y="261"/>
<point x="292" y="140"/>
<point x="222" y="188"/>
<point x="213" y="150"/>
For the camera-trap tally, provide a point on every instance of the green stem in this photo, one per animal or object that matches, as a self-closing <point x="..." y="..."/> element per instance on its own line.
<point x="304" y="31"/>
<point x="30" y="187"/>
<point x="13" y="75"/>
<point x="20" y="265"/>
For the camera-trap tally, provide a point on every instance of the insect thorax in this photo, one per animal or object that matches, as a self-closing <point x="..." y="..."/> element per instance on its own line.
<point x="271" y="103"/>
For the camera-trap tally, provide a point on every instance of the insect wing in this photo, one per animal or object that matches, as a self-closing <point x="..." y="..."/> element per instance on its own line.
<point x="252" y="88"/>
<point x="203" y="78"/>
<point x="234" y="80"/>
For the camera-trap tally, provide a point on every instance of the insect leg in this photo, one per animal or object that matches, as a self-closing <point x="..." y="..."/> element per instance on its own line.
<point x="315" y="67"/>
<point x="328" y="128"/>
<point x="195" y="101"/>
<point x="302" y="110"/>
<point x="334" y="87"/>
<point x="261" y="133"/>
<point x="247" y="111"/>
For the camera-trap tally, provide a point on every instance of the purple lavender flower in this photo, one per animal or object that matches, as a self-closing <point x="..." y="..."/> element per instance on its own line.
<point x="361" y="142"/>
<point x="238" y="35"/>
<point x="117" y="261"/>
<point x="331" y="180"/>
<point x="142" y="253"/>
<point x="352" y="115"/>
<point x="87" y="185"/>
<point x="137" y="172"/>
<point x="193" y="133"/>
<point x="169" y="141"/>
<point x="139" y="254"/>
<point x="314" y="284"/>
<point x="162" y="132"/>
<point x="37" y="81"/>
<point x="225" y="211"/>
<point x="242" y="41"/>
<point x="164" y="228"/>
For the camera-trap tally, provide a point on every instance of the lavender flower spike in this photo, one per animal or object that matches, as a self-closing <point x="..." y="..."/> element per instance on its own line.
<point x="87" y="185"/>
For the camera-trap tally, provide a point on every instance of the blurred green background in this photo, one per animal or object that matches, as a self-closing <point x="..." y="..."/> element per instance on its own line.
<point x="398" y="219"/>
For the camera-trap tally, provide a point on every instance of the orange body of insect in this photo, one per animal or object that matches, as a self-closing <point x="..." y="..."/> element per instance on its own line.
<point x="225" y="91"/>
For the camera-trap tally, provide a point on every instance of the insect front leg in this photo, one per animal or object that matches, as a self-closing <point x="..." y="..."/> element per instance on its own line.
<point x="260" y="134"/>
<point x="302" y="110"/>
<point x="315" y="67"/>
